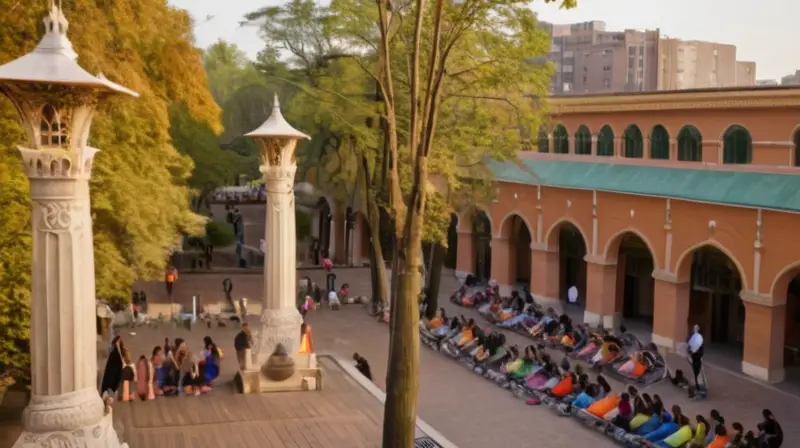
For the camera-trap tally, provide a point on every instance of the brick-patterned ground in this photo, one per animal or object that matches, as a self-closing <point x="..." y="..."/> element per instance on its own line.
<point x="470" y="411"/>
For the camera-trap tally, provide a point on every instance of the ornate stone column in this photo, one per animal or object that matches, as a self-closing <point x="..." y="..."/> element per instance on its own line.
<point x="280" y="319"/>
<point x="56" y="100"/>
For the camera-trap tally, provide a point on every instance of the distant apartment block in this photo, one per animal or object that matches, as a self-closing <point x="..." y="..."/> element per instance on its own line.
<point x="590" y="59"/>
<point x="791" y="80"/>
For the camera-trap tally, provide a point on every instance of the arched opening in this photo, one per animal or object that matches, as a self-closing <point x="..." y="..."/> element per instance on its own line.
<point x="53" y="129"/>
<point x="737" y="146"/>
<point x="714" y="301"/>
<point x="544" y="140"/>
<point x="583" y="141"/>
<point x="796" y="139"/>
<point x="482" y="240"/>
<point x="659" y="143"/>
<point x="572" y="266"/>
<point x="634" y="142"/>
<point x="635" y="283"/>
<point x="451" y="258"/>
<point x="323" y="230"/>
<point x="560" y="140"/>
<point x="519" y="254"/>
<point x="605" y="141"/>
<point x="690" y="144"/>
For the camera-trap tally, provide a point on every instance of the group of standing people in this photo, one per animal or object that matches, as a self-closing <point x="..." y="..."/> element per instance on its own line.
<point x="170" y="370"/>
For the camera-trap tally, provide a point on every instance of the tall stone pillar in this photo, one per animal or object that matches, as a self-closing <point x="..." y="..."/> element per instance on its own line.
<point x="601" y="294"/>
<point x="280" y="318"/>
<point x="671" y="308"/>
<point x="764" y="336"/>
<point x="545" y="267"/>
<point x="56" y="100"/>
<point x="502" y="263"/>
<point x="465" y="258"/>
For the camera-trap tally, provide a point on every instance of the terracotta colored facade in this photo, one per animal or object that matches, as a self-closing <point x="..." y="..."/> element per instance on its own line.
<point x="738" y="289"/>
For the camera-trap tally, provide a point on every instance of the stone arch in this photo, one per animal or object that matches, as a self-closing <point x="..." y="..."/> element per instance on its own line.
<point x="54" y="168"/>
<point x="690" y="144"/>
<point x="518" y="234"/>
<point x="737" y="145"/>
<point x="605" y="141"/>
<point x="551" y="236"/>
<point x="716" y="282"/>
<point x="466" y="217"/>
<point x="682" y="269"/>
<point x="633" y="141"/>
<point x="504" y="230"/>
<point x="583" y="140"/>
<point x="659" y="143"/>
<point x="560" y="139"/>
<point x="612" y="245"/>
<point x="635" y="261"/>
<point x="781" y="281"/>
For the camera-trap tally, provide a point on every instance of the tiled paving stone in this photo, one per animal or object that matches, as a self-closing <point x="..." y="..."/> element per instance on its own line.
<point x="472" y="412"/>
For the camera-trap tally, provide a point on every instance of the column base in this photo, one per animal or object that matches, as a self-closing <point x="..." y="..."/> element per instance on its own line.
<point x="611" y="321"/>
<point x="763" y="373"/>
<point x="100" y="435"/>
<point x="462" y="275"/>
<point x="307" y="377"/>
<point x="548" y="302"/>
<point x="278" y="326"/>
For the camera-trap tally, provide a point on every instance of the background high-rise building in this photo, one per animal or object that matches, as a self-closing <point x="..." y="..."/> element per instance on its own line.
<point x="590" y="59"/>
<point x="791" y="80"/>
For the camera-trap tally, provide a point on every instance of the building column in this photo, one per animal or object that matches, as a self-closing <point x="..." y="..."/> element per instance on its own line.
<point x="545" y="266"/>
<point x="764" y="335"/>
<point x="501" y="265"/>
<point x="280" y="319"/>
<point x="571" y="147"/>
<point x="670" y="310"/>
<point x="673" y="149"/>
<point x="63" y="338"/>
<point x="357" y="237"/>
<point x="601" y="293"/>
<point x="465" y="258"/>
<point x="338" y="237"/>
<point x="594" y="145"/>
<point x="618" y="147"/>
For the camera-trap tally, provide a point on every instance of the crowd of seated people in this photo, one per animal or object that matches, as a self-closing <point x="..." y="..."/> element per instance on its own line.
<point x="170" y="370"/>
<point x="632" y="418"/>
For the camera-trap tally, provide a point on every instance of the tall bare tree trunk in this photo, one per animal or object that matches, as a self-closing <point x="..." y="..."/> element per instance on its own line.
<point x="435" y="279"/>
<point x="376" y="264"/>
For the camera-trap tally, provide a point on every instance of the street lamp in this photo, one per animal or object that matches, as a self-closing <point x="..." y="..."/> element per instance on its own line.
<point x="56" y="100"/>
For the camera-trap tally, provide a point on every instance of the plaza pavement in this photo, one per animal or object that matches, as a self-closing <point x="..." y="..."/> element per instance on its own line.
<point x="471" y="411"/>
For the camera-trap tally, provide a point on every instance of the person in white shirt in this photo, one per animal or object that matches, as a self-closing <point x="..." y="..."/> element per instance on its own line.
<point x="695" y="350"/>
<point x="572" y="294"/>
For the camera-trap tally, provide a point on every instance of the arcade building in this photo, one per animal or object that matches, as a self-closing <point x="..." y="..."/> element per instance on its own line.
<point x="666" y="208"/>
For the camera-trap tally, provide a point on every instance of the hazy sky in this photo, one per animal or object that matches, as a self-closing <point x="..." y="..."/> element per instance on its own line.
<point x="762" y="33"/>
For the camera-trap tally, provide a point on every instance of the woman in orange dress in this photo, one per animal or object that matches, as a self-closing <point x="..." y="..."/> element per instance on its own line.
<point x="306" y="345"/>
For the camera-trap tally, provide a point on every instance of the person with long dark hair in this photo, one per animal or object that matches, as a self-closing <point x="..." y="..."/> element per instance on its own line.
<point x="112" y="374"/>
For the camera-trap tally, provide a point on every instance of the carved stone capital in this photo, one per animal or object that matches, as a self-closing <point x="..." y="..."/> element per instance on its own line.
<point x="60" y="215"/>
<point x="57" y="163"/>
<point x="101" y="434"/>
<point x="66" y="412"/>
<point x="278" y="326"/>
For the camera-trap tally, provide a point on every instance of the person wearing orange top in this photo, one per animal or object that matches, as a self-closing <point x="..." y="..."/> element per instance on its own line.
<point x="721" y="438"/>
<point x="306" y="345"/>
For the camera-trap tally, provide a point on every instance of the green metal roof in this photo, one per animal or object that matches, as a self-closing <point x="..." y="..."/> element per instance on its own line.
<point x="748" y="189"/>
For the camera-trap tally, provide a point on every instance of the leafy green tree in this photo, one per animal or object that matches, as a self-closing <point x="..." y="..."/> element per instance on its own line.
<point x="219" y="233"/>
<point x="456" y="88"/>
<point x="140" y="191"/>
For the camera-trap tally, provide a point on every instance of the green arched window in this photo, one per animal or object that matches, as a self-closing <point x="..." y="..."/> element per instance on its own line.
<point x="737" y="146"/>
<point x="605" y="141"/>
<point x="544" y="140"/>
<point x="659" y="143"/>
<point x="583" y="141"/>
<point x="560" y="140"/>
<point x="690" y="144"/>
<point x="797" y="148"/>
<point x="634" y="143"/>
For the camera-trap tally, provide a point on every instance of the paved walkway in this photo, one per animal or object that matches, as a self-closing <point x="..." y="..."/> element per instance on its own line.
<point x="735" y="396"/>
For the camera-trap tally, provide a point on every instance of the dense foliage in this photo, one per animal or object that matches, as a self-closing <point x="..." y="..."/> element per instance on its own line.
<point x="140" y="190"/>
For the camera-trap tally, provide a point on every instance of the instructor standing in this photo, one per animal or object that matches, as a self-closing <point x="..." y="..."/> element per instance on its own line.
<point x="695" y="350"/>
